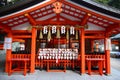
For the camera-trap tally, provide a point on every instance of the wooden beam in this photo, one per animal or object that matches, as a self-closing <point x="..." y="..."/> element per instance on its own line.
<point x="58" y="22"/>
<point x="5" y="27"/>
<point x="21" y="36"/>
<point x="31" y="20"/>
<point x="20" y="31"/>
<point x="94" y="31"/>
<point x="95" y="37"/>
<point x="18" y="40"/>
<point x="85" y="19"/>
<point x="112" y="28"/>
<point x="71" y="15"/>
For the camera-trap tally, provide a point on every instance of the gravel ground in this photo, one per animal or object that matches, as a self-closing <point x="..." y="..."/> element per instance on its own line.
<point x="69" y="75"/>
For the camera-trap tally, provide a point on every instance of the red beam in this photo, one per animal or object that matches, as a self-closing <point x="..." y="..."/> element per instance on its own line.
<point x="21" y="31"/>
<point x="58" y="22"/>
<point x="94" y="31"/>
<point x="21" y="36"/>
<point x="97" y="24"/>
<point x="95" y="37"/>
<point x="32" y="20"/>
<point x="71" y="15"/>
<point x="5" y="27"/>
<point x="112" y="27"/>
<point x="86" y="17"/>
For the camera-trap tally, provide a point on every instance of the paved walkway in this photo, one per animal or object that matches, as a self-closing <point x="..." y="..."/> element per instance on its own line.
<point x="69" y="75"/>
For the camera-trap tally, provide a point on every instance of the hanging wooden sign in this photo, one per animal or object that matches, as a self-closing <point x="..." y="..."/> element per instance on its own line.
<point x="8" y="43"/>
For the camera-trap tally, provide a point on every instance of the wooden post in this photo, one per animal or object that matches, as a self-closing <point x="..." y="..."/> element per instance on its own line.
<point x="107" y="58"/>
<point x="82" y="50"/>
<point x="33" y="50"/>
<point x="8" y="55"/>
<point x="92" y="45"/>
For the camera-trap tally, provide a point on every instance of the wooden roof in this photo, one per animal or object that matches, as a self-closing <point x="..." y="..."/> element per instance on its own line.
<point x="72" y="14"/>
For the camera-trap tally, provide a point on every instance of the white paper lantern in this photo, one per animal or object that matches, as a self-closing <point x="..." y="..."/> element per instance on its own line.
<point x="53" y="29"/>
<point x="72" y="30"/>
<point x="62" y="29"/>
<point x="45" y="30"/>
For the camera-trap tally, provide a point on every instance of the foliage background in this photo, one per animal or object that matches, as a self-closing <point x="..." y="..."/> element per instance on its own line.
<point x="113" y="3"/>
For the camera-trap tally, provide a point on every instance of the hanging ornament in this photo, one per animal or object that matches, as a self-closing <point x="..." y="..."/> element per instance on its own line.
<point x="67" y="34"/>
<point x="49" y="35"/>
<point x="41" y="35"/>
<point x="53" y="29"/>
<point x="57" y="7"/>
<point x="76" y="36"/>
<point x="45" y="30"/>
<point x="63" y="30"/>
<point x="72" y="30"/>
<point x="58" y="33"/>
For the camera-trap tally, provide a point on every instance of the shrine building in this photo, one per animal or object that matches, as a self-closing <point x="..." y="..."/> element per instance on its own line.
<point x="56" y="35"/>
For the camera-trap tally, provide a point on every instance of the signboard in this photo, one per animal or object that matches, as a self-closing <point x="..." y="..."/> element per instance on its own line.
<point x="108" y="44"/>
<point x="7" y="43"/>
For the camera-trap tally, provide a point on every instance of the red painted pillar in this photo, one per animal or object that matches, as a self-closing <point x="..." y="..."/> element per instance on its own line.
<point x="108" y="67"/>
<point x="107" y="57"/>
<point x="33" y="50"/>
<point x="8" y="54"/>
<point x="82" y="50"/>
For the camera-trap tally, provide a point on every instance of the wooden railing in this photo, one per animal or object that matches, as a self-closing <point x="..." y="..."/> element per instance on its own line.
<point x="20" y="56"/>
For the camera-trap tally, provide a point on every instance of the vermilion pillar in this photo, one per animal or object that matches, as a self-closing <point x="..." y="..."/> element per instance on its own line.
<point x="33" y="50"/>
<point x="8" y="54"/>
<point x="107" y="56"/>
<point x="82" y="50"/>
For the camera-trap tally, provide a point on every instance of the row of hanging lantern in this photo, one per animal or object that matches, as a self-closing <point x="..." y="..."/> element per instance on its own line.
<point x="56" y="30"/>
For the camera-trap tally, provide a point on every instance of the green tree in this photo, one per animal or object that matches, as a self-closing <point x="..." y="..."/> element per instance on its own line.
<point x="115" y="3"/>
<point x="103" y="1"/>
